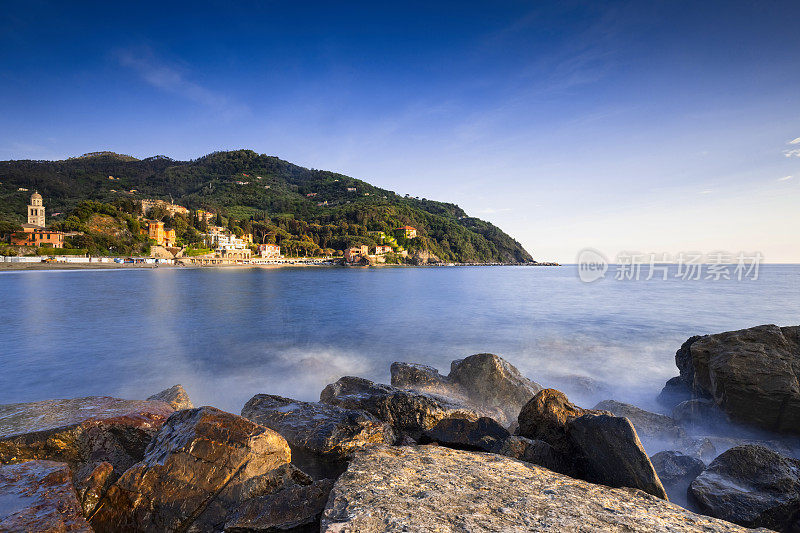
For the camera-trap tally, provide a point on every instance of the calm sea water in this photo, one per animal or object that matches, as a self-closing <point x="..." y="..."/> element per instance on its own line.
<point x="227" y="334"/>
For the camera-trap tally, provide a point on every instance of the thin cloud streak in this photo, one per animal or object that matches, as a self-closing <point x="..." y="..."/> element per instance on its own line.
<point x="785" y="178"/>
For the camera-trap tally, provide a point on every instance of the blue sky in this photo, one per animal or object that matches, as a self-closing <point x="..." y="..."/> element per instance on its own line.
<point x="641" y="126"/>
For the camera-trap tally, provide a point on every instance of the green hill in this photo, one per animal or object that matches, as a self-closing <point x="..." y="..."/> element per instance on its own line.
<point x="273" y="198"/>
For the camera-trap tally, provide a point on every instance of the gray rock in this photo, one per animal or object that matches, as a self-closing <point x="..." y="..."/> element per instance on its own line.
<point x="751" y="374"/>
<point x="537" y="452"/>
<point x="407" y="412"/>
<point x="176" y="396"/>
<point x="194" y="472"/>
<point x="483" y="434"/>
<point x="486" y="382"/>
<point x="82" y="432"/>
<point x="431" y="488"/>
<point x="674" y="392"/>
<point x="38" y="496"/>
<point x="609" y="452"/>
<point x="676" y="471"/>
<point x="654" y="430"/>
<point x="751" y="486"/>
<point x="700" y="415"/>
<point x="321" y="436"/>
<point x="294" y="509"/>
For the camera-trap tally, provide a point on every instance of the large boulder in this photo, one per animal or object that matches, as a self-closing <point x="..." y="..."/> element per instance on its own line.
<point x="545" y="417"/>
<point x="81" y="432"/>
<point x="38" y="496"/>
<point x="483" y="434"/>
<point x="537" y="452"/>
<point x="486" y="381"/>
<point x="752" y="486"/>
<point x="176" y="396"/>
<point x="430" y="488"/>
<point x="195" y="471"/>
<point x="407" y="412"/>
<point x="752" y="374"/>
<point x="608" y="451"/>
<point x="674" y="392"/>
<point x="321" y="436"/>
<point x="676" y="471"/>
<point x="655" y="431"/>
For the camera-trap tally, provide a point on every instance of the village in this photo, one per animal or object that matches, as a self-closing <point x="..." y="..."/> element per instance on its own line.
<point x="225" y="247"/>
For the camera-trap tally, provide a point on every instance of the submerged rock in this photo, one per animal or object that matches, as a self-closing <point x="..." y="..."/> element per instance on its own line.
<point x="653" y="429"/>
<point x="175" y="396"/>
<point x="81" y="432"/>
<point x="751" y="374"/>
<point x="38" y="496"/>
<point x="752" y="486"/>
<point x="700" y="415"/>
<point x="483" y="434"/>
<point x="197" y="468"/>
<point x="321" y="436"/>
<point x="407" y="412"/>
<point x="676" y="471"/>
<point x="484" y="381"/>
<point x="430" y="488"/>
<point x="674" y="392"/>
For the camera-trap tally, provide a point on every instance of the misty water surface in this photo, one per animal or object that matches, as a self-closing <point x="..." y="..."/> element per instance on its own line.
<point x="227" y="334"/>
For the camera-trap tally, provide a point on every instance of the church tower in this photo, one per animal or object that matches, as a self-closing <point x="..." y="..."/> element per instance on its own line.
<point x="36" y="210"/>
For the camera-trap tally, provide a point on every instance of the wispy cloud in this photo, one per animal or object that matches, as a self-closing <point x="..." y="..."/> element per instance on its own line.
<point x="785" y="178"/>
<point x="792" y="153"/>
<point x="173" y="79"/>
<point x="796" y="141"/>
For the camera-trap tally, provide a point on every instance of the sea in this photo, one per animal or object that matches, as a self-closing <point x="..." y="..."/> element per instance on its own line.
<point x="226" y="334"/>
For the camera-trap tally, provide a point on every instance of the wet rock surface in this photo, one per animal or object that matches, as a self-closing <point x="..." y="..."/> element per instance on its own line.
<point x="483" y="434"/>
<point x="652" y="428"/>
<point x="486" y="382"/>
<point x="321" y="436"/>
<point x="81" y="432"/>
<point x="195" y="471"/>
<point x="751" y="374"/>
<point x="38" y="496"/>
<point x="176" y="396"/>
<point x="676" y="471"/>
<point x="752" y="486"/>
<point x="431" y="488"/>
<point x="92" y="487"/>
<point x="407" y="412"/>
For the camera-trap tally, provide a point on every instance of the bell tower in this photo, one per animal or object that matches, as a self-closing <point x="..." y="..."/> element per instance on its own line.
<point x="36" y="210"/>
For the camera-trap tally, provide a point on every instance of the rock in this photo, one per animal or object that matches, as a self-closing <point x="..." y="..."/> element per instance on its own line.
<point x="674" y="392"/>
<point x="484" y="381"/>
<point x="92" y="488"/>
<point x="751" y="486"/>
<point x="545" y="418"/>
<point x="656" y="431"/>
<point x="432" y="488"/>
<point x="81" y="432"/>
<point x="700" y="415"/>
<point x="407" y="412"/>
<point x="198" y="467"/>
<point x="537" y="452"/>
<point x="296" y="509"/>
<point x="38" y="496"/>
<point x="321" y="436"/>
<point x="676" y="471"/>
<point x="175" y="396"/>
<point x="751" y="374"/>
<point x="609" y="452"/>
<point x="483" y="434"/>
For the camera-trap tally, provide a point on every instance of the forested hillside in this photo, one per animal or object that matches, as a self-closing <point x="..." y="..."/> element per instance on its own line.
<point x="275" y="200"/>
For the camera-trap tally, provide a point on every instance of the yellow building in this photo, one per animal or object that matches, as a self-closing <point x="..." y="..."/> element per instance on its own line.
<point x="163" y="237"/>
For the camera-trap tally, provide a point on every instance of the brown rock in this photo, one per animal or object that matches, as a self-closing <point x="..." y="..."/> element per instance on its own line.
<point x="483" y="434"/>
<point x="295" y="509"/>
<point x="432" y="488"/>
<point x="193" y="473"/>
<point x="537" y="452"/>
<point x="175" y="396"/>
<point x="38" y="496"/>
<point x="545" y="418"/>
<point x="92" y="488"/>
<point x="81" y="432"/>
<point x="321" y="436"/>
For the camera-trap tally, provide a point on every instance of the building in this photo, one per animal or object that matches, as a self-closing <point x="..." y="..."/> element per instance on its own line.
<point x="34" y="233"/>
<point x="36" y="211"/>
<point x="408" y="231"/>
<point x="351" y="189"/>
<point x="269" y="251"/>
<point x="171" y="208"/>
<point x="380" y="250"/>
<point x="355" y="253"/>
<point x="205" y="216"/>
<point x="162" y="236"/>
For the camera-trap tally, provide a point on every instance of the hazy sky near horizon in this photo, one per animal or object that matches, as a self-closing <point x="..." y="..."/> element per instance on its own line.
<point x="658" y="126"/>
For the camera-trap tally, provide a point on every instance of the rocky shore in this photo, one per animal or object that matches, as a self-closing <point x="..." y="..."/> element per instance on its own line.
<point x="482" y="448"/>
